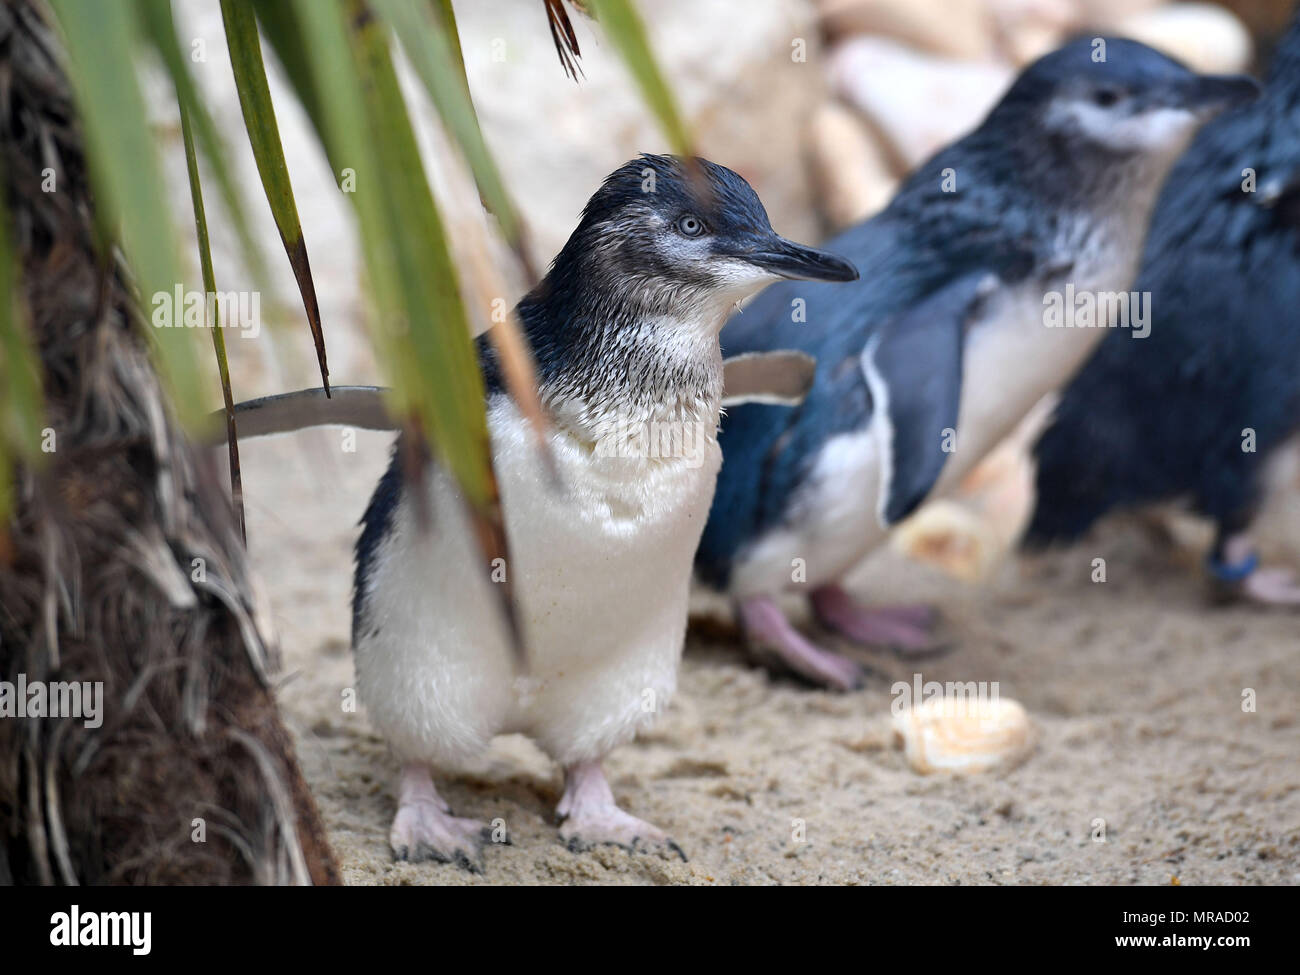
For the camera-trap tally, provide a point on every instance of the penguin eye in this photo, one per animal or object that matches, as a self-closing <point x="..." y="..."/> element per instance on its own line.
<point x="690" y="225"/>
<point x="1105" y="97"/>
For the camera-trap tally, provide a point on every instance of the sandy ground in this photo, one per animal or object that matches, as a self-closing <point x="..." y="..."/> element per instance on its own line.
<point x="1135" y="686"/>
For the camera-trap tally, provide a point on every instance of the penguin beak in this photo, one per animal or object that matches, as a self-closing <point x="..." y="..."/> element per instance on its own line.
<point x="1208" y="93"/>
<point x="791" y="260"/>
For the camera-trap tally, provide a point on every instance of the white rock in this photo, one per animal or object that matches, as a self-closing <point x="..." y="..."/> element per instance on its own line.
<point x="734" y="73"/>
<point x="1107" y="13"/>
<point x="851" y="174"/>
<point x="916" y="101"/>
<point x="1203" y="36"/>
<point x="955" y="28"/>
<point x="1028" y="29"/>
<point x="950" y="537"/>
<point x="1277" y="526"/>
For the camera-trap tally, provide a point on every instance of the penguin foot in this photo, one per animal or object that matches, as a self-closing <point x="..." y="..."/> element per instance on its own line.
<point x="1236" y="573"/>
<point x="424" y="828"/>
<point x="591" y="818"/>
<point x="1272" y="587"/>
<point x="774" y="639"/>
<point x="906" y="629"/>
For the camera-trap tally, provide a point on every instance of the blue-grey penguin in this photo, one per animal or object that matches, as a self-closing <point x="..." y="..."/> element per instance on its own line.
<point x="1197" y="409"/>
<point x="944" y="345"/>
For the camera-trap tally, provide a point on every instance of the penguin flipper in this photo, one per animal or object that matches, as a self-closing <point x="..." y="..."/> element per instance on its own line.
<point x="780" y="378"/>
<point x="913" y="369"/>
<point x="347" y="406"/>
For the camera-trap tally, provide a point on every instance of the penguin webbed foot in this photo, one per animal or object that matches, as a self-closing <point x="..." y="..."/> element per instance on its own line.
<point x="591" y="818"/>
<point x="425" y="829"/>
<point x="773" y="639"/>
<point x="1265" y="586"/>
<point x="1272" y="586"/>
<point x="1235" y="574"/>
<point x="908" y="630"/>
<point x="617" y="828"/>
<point x="422" y="833"/>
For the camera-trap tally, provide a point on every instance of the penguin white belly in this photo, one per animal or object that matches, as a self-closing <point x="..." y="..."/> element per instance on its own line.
<point x="1012" y="360"/>
<point x="600" y="568"/>
<point x="831" y="525"/>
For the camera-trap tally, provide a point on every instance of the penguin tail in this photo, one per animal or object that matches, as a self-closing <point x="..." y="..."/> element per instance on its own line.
<point x="1070" y="490"/>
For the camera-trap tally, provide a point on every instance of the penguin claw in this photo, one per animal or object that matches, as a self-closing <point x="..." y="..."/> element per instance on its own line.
<point x="465" y="863"/>
<point x="582" y="837"/>
<point x="424" y="831"/>
<point x="425" y="852"/>
<point x="590" y="817"/>
<point x="673" y="847"/>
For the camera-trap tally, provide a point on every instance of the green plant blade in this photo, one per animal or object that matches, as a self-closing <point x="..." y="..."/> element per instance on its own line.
<point x="264" y="137"/>
<point x="338" y="58"/>
<point x="622" y="25"/>
<point x="160" y="29"/>
<point x="21" y="405"/>
<point x="435" y="54"/>
<point x="102" y="46"/>
<point x="434" y="50"/>
<point x="438" y="326"/>
<point x="445" y="14"/>
<point x="218" y="337"/>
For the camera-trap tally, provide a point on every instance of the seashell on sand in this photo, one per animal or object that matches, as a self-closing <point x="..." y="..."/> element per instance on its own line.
<point x="970" y="533"/>
<point x="964" y="735"/>
<point x="950" y="537"/>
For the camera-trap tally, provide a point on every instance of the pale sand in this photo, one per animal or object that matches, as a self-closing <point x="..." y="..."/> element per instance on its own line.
<point x="1135" y="686"/>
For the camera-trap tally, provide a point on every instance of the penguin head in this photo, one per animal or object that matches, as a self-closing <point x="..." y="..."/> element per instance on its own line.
<point x="1112" y="99"/>
<point x="682" y="238"/>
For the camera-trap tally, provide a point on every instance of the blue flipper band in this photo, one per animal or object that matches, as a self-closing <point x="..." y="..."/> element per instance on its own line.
<point x="1232" y="573"/>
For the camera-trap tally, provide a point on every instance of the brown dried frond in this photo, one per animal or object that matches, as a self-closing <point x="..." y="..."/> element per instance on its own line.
<point x="566" y="41"/>
<point x="125" y="569"/>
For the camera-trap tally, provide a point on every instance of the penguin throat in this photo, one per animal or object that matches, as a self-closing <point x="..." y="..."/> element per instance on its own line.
<point x="615" y="351"/>
<point x="624" y="377"/>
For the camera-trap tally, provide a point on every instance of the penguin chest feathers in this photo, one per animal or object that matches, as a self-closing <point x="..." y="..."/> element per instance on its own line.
<point x="603" y="557"/>
<point x="599" y="563"/>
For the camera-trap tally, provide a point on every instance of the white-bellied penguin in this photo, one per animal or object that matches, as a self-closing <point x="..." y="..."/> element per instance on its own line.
<point x="624" y="328"/>
<point x="944" y="344"/>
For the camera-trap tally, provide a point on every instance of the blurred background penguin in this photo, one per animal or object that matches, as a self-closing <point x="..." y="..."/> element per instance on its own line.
<point x="1205" y="408"/>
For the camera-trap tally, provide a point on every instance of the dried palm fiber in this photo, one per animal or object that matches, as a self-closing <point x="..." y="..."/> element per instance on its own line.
<point x="98" y="580"/>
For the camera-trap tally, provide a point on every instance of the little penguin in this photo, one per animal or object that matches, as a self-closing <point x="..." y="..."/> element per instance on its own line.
<point x="624" y="328"/>
<point x="1198" y="408"/>
<point x="946" y="343"/>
